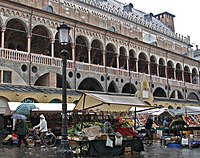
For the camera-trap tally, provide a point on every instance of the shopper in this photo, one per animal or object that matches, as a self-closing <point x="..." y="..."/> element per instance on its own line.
<point x="148" y="127"/>
<point x="42" y="128"/>
<point x="21" y="131"/>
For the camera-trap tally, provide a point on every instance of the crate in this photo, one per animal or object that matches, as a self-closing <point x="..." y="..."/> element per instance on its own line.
<point x="127" y="151"/>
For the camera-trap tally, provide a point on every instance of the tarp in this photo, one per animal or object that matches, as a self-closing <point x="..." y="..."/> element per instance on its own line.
<point x="40" y="107"/>
<point x="105" y="102"/>
<point x="193" y="110"/>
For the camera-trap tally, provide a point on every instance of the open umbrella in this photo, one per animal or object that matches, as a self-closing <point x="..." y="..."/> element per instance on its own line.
<point x="25" y="108"/>
<point x="19" y="117"/>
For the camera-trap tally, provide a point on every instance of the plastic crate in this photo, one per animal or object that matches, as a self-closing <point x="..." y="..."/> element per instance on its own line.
<point x="173" y="145"/>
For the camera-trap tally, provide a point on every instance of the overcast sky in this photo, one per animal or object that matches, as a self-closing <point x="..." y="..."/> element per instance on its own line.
<point x="187" y="14"/>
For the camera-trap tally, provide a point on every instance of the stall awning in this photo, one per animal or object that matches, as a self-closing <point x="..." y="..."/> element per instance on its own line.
<point x="193" y="110"/>
<point x="105" y="102"/>
<point x="41" y="107"/>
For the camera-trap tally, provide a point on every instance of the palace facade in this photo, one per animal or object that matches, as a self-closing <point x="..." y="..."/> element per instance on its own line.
<point x="114" y="48"/>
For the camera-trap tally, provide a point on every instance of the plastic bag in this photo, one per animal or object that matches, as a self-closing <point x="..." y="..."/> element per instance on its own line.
<point x="109" y="142"/>
<point x="118" y="141"/>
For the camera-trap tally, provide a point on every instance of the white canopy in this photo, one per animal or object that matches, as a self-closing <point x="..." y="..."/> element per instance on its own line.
<point x="194" y="110"/>
<point x="41" y="107"/>
<point x="105" y="102"/>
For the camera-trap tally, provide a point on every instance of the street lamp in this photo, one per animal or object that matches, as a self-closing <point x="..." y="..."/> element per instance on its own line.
<point x="64" y="152"/>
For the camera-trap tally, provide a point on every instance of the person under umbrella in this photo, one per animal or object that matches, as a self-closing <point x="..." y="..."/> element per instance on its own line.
<point x="21" y="131"/>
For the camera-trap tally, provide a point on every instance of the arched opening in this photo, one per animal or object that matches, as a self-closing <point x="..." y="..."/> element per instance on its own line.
<point x="111" y="56"/>
<point x="112" y="87"/>
<point x="40" y="40"/>
<point x="122" y="58"/>
<point x="143" y="63"/>
<point x="153" y="65"/>
<point x="170" y="70"/>
<point x="129" y="88"/>
<point x="179" y="72"/>
<point x="162" y="68"/>
<point x="81" y="49"/>
<point x="187" y="74"/>
<point x="132" y="60"/>
<point x="90" y="84"/>
<point x="16" y="35"/>
<point x="159" y="92"/>
<point x="96" y="52"/>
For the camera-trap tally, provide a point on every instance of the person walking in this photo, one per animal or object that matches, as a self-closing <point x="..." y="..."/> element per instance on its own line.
<point x="148" y="127"/>
<point x="42" y="129"/>
<point x="21" y="131"/>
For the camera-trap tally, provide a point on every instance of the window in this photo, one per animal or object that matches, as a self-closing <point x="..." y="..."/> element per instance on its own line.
<point x="7" y="76"/>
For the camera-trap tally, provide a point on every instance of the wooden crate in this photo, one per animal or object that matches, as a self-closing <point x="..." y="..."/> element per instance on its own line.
<point x="127" y="151"/>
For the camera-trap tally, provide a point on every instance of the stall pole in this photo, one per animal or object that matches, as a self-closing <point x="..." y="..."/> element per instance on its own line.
<point x="64" y="151"/>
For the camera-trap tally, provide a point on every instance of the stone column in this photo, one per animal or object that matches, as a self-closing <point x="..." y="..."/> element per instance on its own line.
<point x="104" y="57"/>
<point x="29" y="43"/>
<point x="73" y="52"/>
<point x="117" y="60"/>
<point x="89" y="55"/>
<point x="3" y="29"/>
<point x="127" y="63"/>
<point x="52" y="47"/>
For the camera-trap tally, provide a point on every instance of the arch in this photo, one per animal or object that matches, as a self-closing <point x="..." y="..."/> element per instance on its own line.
<point x="159" y="92"/>
<point x="96" y="52"/>
<point x="81" y="49"/>
<point x="15" y="35"/>
<point x="112" y="87"/>
<point x="129" y="88"/>
<point x="40" y="40"/>
<point x="170" y="70"/>
<point x="55" y="101"/>
<point x="162" y="68"/>
<point x="179" y="72"/>
<point x="132" y="60"/>
<point x="143" y="63"/>
<point x="170" y="107"/>
<point x="111" y="56"/>
<point x="187" y="74"/>
<point x="122" y="58"/>
<point x="194" y="76"/>
<point x="90" y="84"/>
<point x="29" y="100"/>
<point x="176" y="94"/>
<point x="193" y="96"/>
<point x="153" y="65"/>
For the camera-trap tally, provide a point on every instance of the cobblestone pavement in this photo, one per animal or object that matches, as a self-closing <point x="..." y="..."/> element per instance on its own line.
<point x="154" y="151"/>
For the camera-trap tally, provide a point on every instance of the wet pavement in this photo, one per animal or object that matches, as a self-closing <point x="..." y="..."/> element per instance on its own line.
<point x="154" y="151"/>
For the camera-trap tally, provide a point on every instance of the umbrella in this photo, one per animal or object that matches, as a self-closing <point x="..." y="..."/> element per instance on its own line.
<point x="25" y="108"/>
<point x="19" y="117"/>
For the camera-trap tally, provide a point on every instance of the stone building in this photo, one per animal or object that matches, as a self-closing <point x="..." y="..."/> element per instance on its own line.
<point x="114" y="48"/>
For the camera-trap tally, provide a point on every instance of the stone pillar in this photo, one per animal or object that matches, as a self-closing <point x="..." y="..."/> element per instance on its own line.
<point x="149" y="67"/>
<point x="136" y="65"/>
<point x="73" y="52"/>
<point x="117" y="61"/>
<point x="52" y="79"/>
<point x="89" y="55"/>
<point x="52" y="47"/>
<point x="158" y="72"/>
<point x="29" y="43"/>
<point x="127" y="63"/>
<point x="3" y="29"/>
<point x="104" y="58"/>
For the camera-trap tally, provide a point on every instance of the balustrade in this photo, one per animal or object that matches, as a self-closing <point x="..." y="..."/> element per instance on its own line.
<point x="57" y="62"/>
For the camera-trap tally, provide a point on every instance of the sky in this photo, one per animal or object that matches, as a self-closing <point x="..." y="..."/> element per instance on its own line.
<point x="186" y="15"/>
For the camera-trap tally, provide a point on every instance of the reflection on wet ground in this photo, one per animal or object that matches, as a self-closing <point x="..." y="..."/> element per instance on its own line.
<point x="154" y="151"/>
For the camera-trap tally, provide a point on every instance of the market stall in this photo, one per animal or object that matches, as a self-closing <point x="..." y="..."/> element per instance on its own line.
<point x="109" y="124"/>
<point x="52" y="112"/>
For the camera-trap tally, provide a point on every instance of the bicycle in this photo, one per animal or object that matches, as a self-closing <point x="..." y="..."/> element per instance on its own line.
<point x="33" y="137"/>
